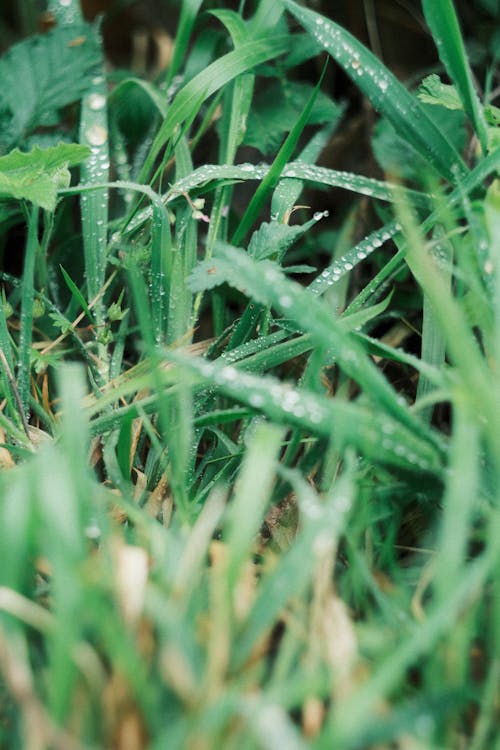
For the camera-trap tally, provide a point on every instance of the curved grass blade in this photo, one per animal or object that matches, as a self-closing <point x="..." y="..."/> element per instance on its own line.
<point x="386" y="93"/>
<point x="443" y="23"/>
<point x="272" y="178"/>
<point x="296" y="170"/>
<point x="347" y="423"/>
<point x="206" y="83"/>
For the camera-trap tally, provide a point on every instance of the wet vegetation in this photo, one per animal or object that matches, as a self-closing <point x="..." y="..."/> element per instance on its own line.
<point x="249" y="354"/>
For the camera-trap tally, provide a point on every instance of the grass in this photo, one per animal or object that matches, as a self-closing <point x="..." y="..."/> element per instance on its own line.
<point x="250" y="454"/>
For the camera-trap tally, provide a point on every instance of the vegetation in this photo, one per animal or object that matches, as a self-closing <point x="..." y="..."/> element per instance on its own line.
<point x="250" y="453"/>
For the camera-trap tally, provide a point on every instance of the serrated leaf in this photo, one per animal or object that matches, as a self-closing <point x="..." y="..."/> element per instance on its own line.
<point x="41" y="75"/>
<point x="37" y="176"/>
<point x="433" y="91"/>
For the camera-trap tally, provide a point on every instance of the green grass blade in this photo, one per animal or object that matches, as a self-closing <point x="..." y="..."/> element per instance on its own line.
<point x="94" y="205"/>
<point x="348" y="424"/>
<point x="189" y="11"/>
<point x="443" y="23"/>
<point x="250" y="500"/>
<point x="206" y="83"/>
<point x="27" y="299"/>
<point x="271" y="179"/>
<point x="386" y="93"/>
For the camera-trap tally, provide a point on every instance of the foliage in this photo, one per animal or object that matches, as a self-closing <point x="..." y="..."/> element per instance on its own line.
<point x="250" y="449"/>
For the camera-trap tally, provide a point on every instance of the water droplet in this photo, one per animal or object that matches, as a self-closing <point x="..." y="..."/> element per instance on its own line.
<point x="96" y="135"/>
<point x="96" y="101"/>
<point x="285" y="300"/>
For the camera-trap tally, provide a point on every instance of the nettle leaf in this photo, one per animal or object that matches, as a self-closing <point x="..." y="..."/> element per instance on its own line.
<point x="433" y="91"/>
<point x="43" y="74"/>
<point x="278" y="106"/>
<point x="272" y="239"/>
<point x="37" y="176"/>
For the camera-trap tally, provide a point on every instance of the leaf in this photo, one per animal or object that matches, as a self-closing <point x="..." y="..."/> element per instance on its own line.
<point x="41" y="75"/>
<point x="349" y="424"/>
<point x="433" y="91"/>
<point x="37" y="176"/>
<point x="278" y="106"/>
<point x="385" y="92"/>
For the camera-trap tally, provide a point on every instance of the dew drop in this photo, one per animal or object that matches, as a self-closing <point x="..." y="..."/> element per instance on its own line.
<point x="96" y="101"/>
<point x="97" y="135"/>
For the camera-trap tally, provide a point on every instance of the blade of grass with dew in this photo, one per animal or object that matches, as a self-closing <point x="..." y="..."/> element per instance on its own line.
<point x="288" y="189"/>
<point x="442" y="20"/>
<point x="161" y="272"/>
<point x="206" y="83"/>
<point x="27" y="299"/>
<point x="266" y="284"/>
<point x="94" y="205"/>
<point x="386" y="93"/>
<point x="272" y="177"/>
<point x="183" y="255"/>
<point x="294" y="170"/>
<point x="346" y="422"/>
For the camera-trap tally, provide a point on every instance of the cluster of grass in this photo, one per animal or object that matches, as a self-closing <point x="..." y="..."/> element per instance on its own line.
<point x="249" y="493"/>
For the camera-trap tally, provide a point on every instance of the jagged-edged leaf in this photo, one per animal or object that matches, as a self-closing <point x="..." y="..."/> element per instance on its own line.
<point x="41" y="75"/>
<point x="36" y="176"/>
<point x="433" y="91"/>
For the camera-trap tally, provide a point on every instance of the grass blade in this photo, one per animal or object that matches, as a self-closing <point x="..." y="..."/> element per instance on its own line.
<point x="443" y="23"/>
<point x="206" y="83"/>
<point x="386" y="93"/>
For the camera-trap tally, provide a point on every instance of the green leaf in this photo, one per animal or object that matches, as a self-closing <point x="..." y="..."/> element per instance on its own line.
<point x="41" y="75"/>
<point x="385" y="92"/>
<point x="37" y="176"/>
<point x="433" y="91"/>
<point x="278" y="106"/>
<point x="397" y="157"/>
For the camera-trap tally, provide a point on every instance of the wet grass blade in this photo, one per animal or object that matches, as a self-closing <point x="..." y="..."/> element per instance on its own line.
<point x="27" y="299"/>
<point x="443" y="23"/>
<point x="201" y="87"/>
<point x="386" y="93"/>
